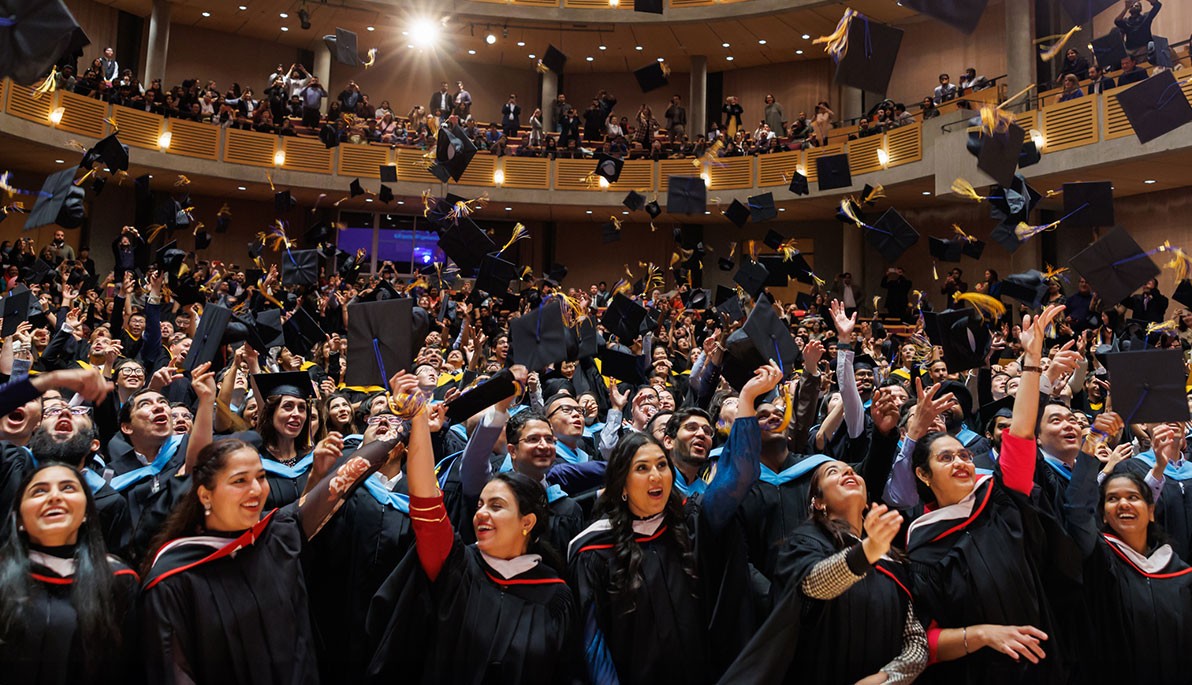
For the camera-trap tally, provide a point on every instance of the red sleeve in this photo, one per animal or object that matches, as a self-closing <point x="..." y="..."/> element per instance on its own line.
<point x="933" y="643"/>
<point x="1017" y="461"/>
<point x="432" y="532"/>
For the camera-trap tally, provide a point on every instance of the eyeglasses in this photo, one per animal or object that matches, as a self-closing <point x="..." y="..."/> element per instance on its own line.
<point x="566" y="409"/>
<point x="696" y="426"/>
<point x="384" y="418"/>
<point x="538" y="439"/>
<point x="948" y="457"/>
<point x="53" y="412"/>
<point x="132" y="372"/>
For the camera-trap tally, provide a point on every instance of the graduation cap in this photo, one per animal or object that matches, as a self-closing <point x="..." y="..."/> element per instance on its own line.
<point x="987" y="412"/>
<point x="495" y="274"/>
<point x="1028" y="288"/>
<point x="555" y="274"/>
<point x="283" y="202"/>
<point x="869" y="60"/>
<point x="300" y="267"/>
<point x="728" y="304"/>
<point x="170" y="258"/>
<point x="288" y="383"/>
<point x="1156" y="106"/>
<point x="609" y="233"/>
<point x="343" y="46"/>
<point x="833" y="172"/>
<point x="726" y="264"/>
<point x="538" y="338"/>
<point x="1147" y="386"/>
<point x="752" y="277"/>
<point x="38" y="272"/>
<point x="650" y="6"/>
<point x="653" y="209"/>
<point x="686" y="195"/>
<point x="383" y="338"/>
<point x="269" y="327"/>
<point x="634" y="201"/>
<point x="1088" y="205"/>
<point x="318" y="233"/>
<point x="1000" y="153"/>
<point x="737" y="213"/>
<point x="1109" y="50"/>
<point x="892" y="235"/>
<point x="799" y="185"/>
<point x="388" y="173"/>
<point x="16" y="309"/>
<point x="761" y="208"/>
<point x="553" y="59"/>
<point x="1183" y="293"/>
<point x="779" y="268"/>
<point x="973" y="248"/>
<point x="482" y="396"/>
<point x="355" y="189"/>
<point x="623" y="318"/>
<point x="454" y="150"/>
<point x="466" y="244"/>
<point x="586" y="343"/>
<point x="59" y="202"/>
<point x="622" y="366"/>
<point x="945" y="249"/>
<point x="963" y="15"/>
<point x="698" y="298"/>
<point x="329" y="136"/>
<point x="690" y="237"/>
<point x="763" y="338"/>
<point x="202" y="239"/>
<point x="110" y="152"/>
<point x="1115" y="266"/>
<point x="963" y="335"/>
<point x="39" y="33"/>
<point x="1013" y="203"/>
<point x="608" y="168"/>
<point x="1161" y="57"/>
<point x="386" y="194"/>
<point x="653" y="76"/>
<point x="799" y="269"/>
<point x="208" y="336"/>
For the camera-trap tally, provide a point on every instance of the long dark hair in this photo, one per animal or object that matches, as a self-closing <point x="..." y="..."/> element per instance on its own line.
<point x="919" y="458"/>
<point x="269" y="434"/>
<point x="627" y="554"/>
<point x="187" y="517"/>
<point x="531" y="499"/>
<point x="92" y="593"/>
<point x="1155" y="535"/>
<point x="325" y="424"/>
<point x="836" y="529"/>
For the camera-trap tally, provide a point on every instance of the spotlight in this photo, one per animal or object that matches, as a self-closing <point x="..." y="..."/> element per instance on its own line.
<point x="498" y="177"/>
<point x="304" y="19"/>
<point x="490" y="39"/>
<point x="56" y="115"/>
<point x="425" y="32"/>
<point x="164" y="140"/>
<point x="883" y="157"/>
<point x="279" y="157"/>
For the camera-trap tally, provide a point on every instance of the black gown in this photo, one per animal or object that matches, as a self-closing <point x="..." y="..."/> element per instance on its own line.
<point x="471" y="625"/>
<point x="286" y="483"/>
<point x="1173" y="511"/>
<point x="48" y="650"/>
<point x="209" y="616"/>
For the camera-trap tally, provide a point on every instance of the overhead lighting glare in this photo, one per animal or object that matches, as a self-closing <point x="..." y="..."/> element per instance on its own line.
<point x="491" y="39"/>
<point x="425" y="32"/>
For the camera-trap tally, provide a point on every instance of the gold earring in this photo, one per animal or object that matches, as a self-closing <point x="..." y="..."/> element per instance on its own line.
<point x="525" y="532"/>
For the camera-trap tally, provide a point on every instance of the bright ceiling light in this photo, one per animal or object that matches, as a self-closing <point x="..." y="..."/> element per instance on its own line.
<point x="533" y="56"/>
<point x="661" y="59"/>
<point x="761" y="41"/>
<point x="370" y="28"/>
<point x="490" y="39"/>
<point x="724" y="45"/>
<point x="471" y="52"/>
<point x="1150" y="181"/>
<point x="241" y="188"/>
<point x="206" y="14"/>
<point x="425" y="32"/>
<point x="806" y="36"/>
<point x="798" y="52"/>
<point x="284" y="15"/>
<point x="590" y="58"/>
<point x="638" y="48"/>
<point x="285" y="28"/>
<point x="521" y="43"/>
<point x="243" y="8"/>
<point x="729" y="58"/>
<point x="603" y="47"/>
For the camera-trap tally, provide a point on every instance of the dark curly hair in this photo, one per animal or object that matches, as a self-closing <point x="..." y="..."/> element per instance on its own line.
<point x="1155" y="535"/>
<point x="625" y="567"/>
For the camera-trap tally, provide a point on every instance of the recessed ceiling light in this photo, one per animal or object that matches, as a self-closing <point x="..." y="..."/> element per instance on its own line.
<point x="283" y="15"/>
<point x="243" y="7"/>
<point x="625" y="213"/>
<point x="806" y="36"/>
<point x="533" y="56"/>
<point x="241" y="188"/>
<point x="661" y="59"/>
<point x="782" y="209"/>
<point x="926" y="192"/>
<point x="761" y="41"/>
<point x="206" y="14"/>
<point x="471" y="52"/>
<point x="590" y="58"/>
<point x="724" y="45"/>
<point x="401" y="202"/>
<point x="707" y="212"/>
<point x="798" y="52"/>
<point x="368" y="199"/>
<point x="59" y="161"/>
<point x="370" y="28"/>
<point x="588" y="211"/>
<point x="508" y="209"/>
<point x="285" y="28"/>
<point x="603" y="47"/>
<point x="1150" y="181"/>
<point x="521" y="43"/>
<point x="638" y="48"/>
<point x="729" y="58"/>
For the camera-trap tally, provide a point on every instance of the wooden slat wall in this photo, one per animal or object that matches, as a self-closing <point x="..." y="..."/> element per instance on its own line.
<point x="572" y="174"/>
<point x="1027" y="120"/>
<point x="530" y="173"/>
<point x="862" y="154"/>
<point x="306" y="154"/>
<point x="815" y="153"/>
<point x="1070" y="124"/>
<point x="731" y="173"/>
<point x="364" y="161"/>
<point x="674" y="167"/>
<point x="194" y="139"/>
<point x="597" y="5"/>
<point x="905" y="144"/>
<point x="1116" y="123"/>
<point x="480" y="171"/>
<point x="777" y="169"/>
<point x="21" y="103"/>
<point x="82" y="115"/>
<point x="637" y="175"/>
<point x="249" y="147"/>
<point x="411" y="166"/>
<point x="138" y="128"/>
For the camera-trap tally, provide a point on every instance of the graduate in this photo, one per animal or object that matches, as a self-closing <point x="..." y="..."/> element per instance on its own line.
<point x="648" y="582"/>
<point x="66" y="610"/>
<point x="224" y="598"/>
<point x="1138" y="591"/>
<point x="496" y="611"/>
<point x="979" y="556"/>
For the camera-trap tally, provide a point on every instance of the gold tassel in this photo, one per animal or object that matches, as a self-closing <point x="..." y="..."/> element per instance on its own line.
<point x="1052" y="52"/>
<point x="49" y="85"/>
<point x="847" y="209"/>
<point x="112" y="122"/>
<point x="1025" y="231"/>
<point x="1050" y="272"/>
<point x="732" y="250"/>
<point x="836" y="43"/>
<point x="995" y="119"/>
<point x="428" y="203"/>
<point x="407" y="406"/>
<point x="419" y="282"/>
<point x="935" y="274"/>
<point x="788" y="409"/>
<point x="76" y="145"/>
<point x="876" y="193"/>
<point x="182" y="181"/>
<point x="573" y="310"/>
<point x="542" y="68"/>
<point x="709" y="155"/>
<point x="876" y="300"/>
<point x="269" y="177"/>
<point x="1180" y="261"/>
<point x="990" y="307"/>
<point x="519" y="232"/>
<point x="372" y="58"/>
<point x="154" y="231"/>
<point x="224" y="211"/>
<point x="85" y="176"/>
<point x="789" y="249"/>
<point x="623" y="286"/>
<point x="628" y="273"/>
<point x="961" y="234"/>
<point x="1168" y="327"/>
<point x="966" y="190"/>
<point x="1054" y="193"/>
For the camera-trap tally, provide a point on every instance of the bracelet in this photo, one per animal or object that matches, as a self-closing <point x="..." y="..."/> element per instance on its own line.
<point x="966" y="650"/>
<point x="1028" y="369"/>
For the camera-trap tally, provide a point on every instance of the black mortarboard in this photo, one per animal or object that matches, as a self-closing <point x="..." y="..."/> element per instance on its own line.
<point x="1109" y="50"/>
<point x="202" y="239"/>
<point x="586" y="342"/>
<point x="764" y="337"/>
<point x="318" y="233"/>
<point x="752" y="277"/>
<point x="799" y="185"/>
<point x="537" y="338"/>
<point x="1083" y="11"/>
<point x="288" y="383"/>
<point x="39" y="34"/>
<point x="651" y="6"/>
<point x="494" y="274"/>
<point x="999" y="154"/>
<point x="987" y="412"/>
<point x="729" y="304"/>
<point x="1183" y="293"/>
<point x="1003" y="234"/>
<point x="799" y="269"/>
<point x="386" y="194"/>
<point x="620" y="365"/>
<point x="346" y="52"/>
<point x="1013" y="203"/>
<point x="726" y="264"/>
<point x="652" y="76"/>
<point x="892" y="235"/>
<point x="833" y="172"/>
<point x="16" y="309"/>
<point x="283" y="202"/>
<point x="355" y="189"/>
<point x="110" y="152"/>
<point x="553" y="59"/>
<point x="1162" y="54"/>
<point x="963" y="15"/>
<point x="208" y="336"/>
<point x="761" y="208"/>
<point x="329" y="136"/>
<point x="170" y="258"/>
<point x="872" y="51"/>
<point x="608" y="167"/>
<point x="623" y="318"/>
<point x="1088" y="205"/>
<point x="388" y="173"/>
<point x="686" y="195"/>
<point x="59" y="202"/>
<point x="1028" y="288"/>
<point x="962" y="334"/>
<point x="300" y="267"/>
<point x="779" y="270"/>
<point x="383" y="338"/>
<point x="466" y="244"/>
<point x="1156" y="106"/>
<point x="634" y="201"/>
<point x="441" y="172"/>
<point x="301" y="331"/>
<point x="555" y="274"/>
<point x="269" y="327"/>
<point x="609" y="233"/>
<point x="773" y="240"/>
<point x="653" y="209"/>
<point x="974" y="248"/>
<point x="454" y="150"/>
<point x="1147" y="386"/>
<point x="38" y="272"/>
<point x="1115" y="266"/>
<point x="698" y="298"/>
<point x="254" y="249"/>
<point x="737" y="213"/>
<point x="482" y="396"/>
<point x="945" y="249"/>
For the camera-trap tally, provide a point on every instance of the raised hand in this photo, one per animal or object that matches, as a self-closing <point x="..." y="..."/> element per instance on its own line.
<point x="765" y="378"/>
<point x="929" y="407"/>
<point x="844" y="323"/>
<point x="617" y="398"/>
<point x="1034" y="330"/>
<point x="328" y="451"/>
<point x="885" y="411"/>
<point x="202" y="380"/>
<point x="813" y="352"/>
<point x="881" y="525"/>
<point x="164" y="376"/>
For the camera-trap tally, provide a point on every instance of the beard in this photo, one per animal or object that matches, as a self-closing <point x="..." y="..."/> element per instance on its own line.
<point x="73" y="451"/>
<point x="953" y="423"/>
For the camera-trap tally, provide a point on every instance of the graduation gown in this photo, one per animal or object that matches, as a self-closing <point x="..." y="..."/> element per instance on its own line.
<point x="151" y="492"/>
<point x="230" y="610"/>
<point x="1173" y="511"/>
<point x="286" y="483"/>
<point x="48" y="648"/>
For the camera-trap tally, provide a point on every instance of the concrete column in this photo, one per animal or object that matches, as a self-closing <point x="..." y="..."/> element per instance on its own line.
<point x="851" y="258"/>
<point x="159" y="42"/>
<point x="697" y="104"/>
<point x="1020" y="48"/>
<point x="851" y="105"/>
<point x="550" y="91"/>
<point x="323" y="71"/>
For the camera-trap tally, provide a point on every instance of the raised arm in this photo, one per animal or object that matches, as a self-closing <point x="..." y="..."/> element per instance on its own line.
<point x="203" y="383"/>
<point x="475" y="464"/>
<point x="1080" y="501"/>
<point x="805" y="397"/>
<point x="901" y="491"/>
<point x="321" y="502"/>
<point x="854" y="409"/>
<point x="1018" y="456"/>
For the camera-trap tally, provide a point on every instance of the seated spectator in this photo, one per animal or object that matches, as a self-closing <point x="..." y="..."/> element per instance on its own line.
<point x="945" y="91"/>
<point x="65" y="80"/>
<point x="380" y="112"/>
<point x="901" y="116"/>
<point x="1073" y="63"/>
<point x="972" y="82"/>
<point x="800" y="127"/>
<point x="1071" y="88"/>
<point x="1130" y="72"/>
<point x="929" y="110"/>
<point x="1099" y="82"/>
<point x="552" y="147"/>
<point x="365" y="109"/>
<point x="264" y="121"/>
<point x="388" y="129"/>
<point x="492" y="136"/>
